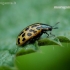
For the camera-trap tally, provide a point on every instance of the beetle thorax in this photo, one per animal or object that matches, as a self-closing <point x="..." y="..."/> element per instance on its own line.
<point x="46" y="28"/>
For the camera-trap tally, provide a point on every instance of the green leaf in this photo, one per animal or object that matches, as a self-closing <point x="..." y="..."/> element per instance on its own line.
<point x="46" y="41"/>
<point x="30" y="48"/>
<point x="63" y="39"/>
<point x="7" y="55"/>
<point x="6" y="59"/>
<point x="46" y="59"/>
<point x="24" y="51"/>
<point x="7" y="68"/>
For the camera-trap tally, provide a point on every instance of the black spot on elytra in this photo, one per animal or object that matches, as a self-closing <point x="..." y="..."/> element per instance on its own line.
<point x="23" y="34"/>
<point x="32" y="31"/>
<point x="23" y="39"/>
<point x="18" y="40"/>
<point x="34" y="25"/>
<point x="37" y="37"/>
<point x="20" y="33"/>
<point x="29" y="34"/>
<point x="26" y="28"/>
<point x="38" y="28"/>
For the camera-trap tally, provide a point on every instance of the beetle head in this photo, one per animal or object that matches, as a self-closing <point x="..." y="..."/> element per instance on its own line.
<point x="49" y="28"/>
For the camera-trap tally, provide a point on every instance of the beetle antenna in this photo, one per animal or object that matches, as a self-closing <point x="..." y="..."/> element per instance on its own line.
<point x="55" y="25"/>
<point x="55" y="28"/>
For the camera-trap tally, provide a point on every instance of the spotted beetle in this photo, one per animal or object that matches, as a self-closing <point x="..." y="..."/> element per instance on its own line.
<point x="33" y="32"/>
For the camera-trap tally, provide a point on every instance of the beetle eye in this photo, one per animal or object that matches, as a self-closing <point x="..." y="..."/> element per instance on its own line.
<point x="50" y="29"/>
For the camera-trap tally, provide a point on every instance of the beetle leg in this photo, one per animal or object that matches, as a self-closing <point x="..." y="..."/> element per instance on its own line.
<point x="47" y="34"/>
<point x="52" y="34"/>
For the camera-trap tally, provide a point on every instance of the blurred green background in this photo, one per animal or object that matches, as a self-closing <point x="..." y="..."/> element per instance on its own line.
<point x="21" y="13"/>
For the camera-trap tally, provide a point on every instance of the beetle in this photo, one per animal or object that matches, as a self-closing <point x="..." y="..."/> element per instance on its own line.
<point x="33" y="32"/>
